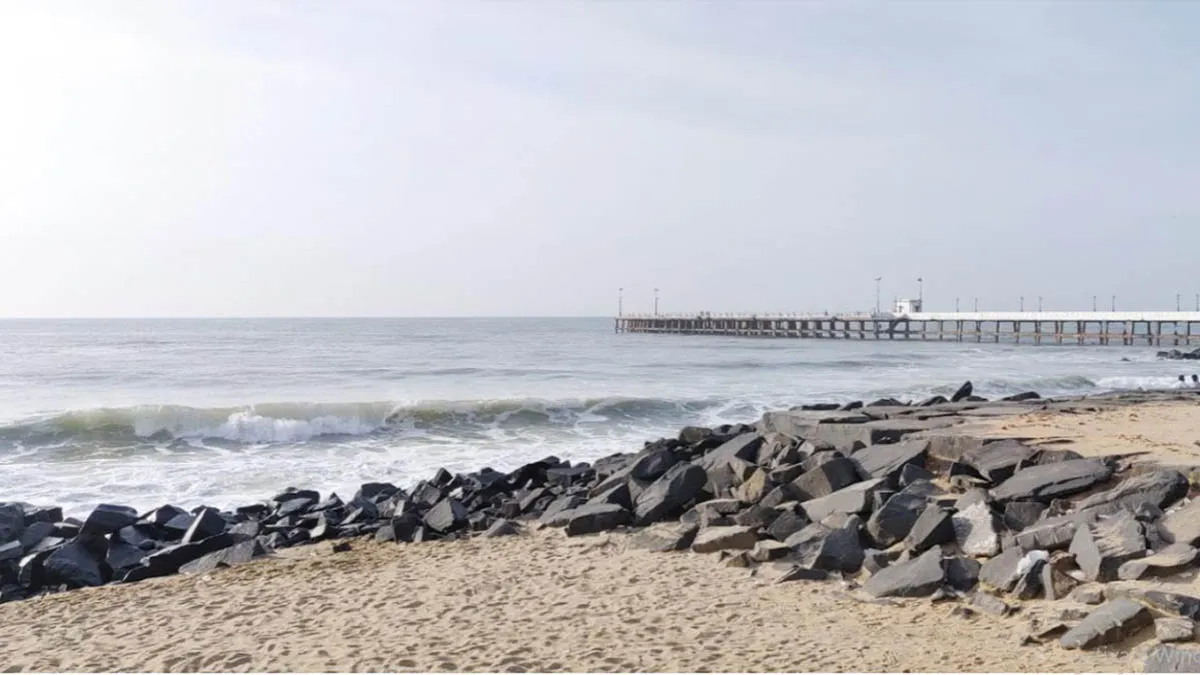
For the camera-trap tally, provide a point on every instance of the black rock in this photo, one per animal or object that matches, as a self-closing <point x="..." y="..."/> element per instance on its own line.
<point x="405" y="526"/>
<point x="665" y="538"/>
<point x="1157" y="488"/>
<point x="932" y="401"/>
<point x="447" y="515"/>
<point x="444" y="479"/>
<point x="670" y="493"/>
<point x="178" y="526"/>
<point x="911" y="473"/>
<point x="888" y="460"/>
<point x="29" y="571"/>
<point x="66" y="529"/>
<point x="206" y="524"/>
<point x="896" y="518"/>
<point x="291" y="494"/>
<point x="1051" y="481"/>
<point x="932" y="528"/>
<point x="321" y="529"/>
<point x="253" y="511"/>
<point x="331" y="503"/>
<point x="1024" y="396"/>
<point x="13" y="550"/>
<point x="527" y="503"/>
<point x="617" y="494"/>
<point x="122" y="555"/>
<point x="856" y="498"/>
<point x="294" y="507"/>
<point x="592" y="518"/>
<point x="42" y="514"/>
<point x="999" y="460"/>
<point x="1001" y="572"/>
<point x="962" y="573"/>
<point x="375" y="492"/>
<point x="568" y="476"/>
<point x="756" y="515"/>
<point x="80" y="563"/>
<point x="12" y="522"/>
<point x="786" y="524"/>
<point x="825" y="479"/>
<point x="914" y="578"/>
<point x="34" y="533"/>
<point x="963" y="392"/>
<point x="205" y="563"/>
<point x="170" y="559"/>
<point x="1111" y="622"/>
<point x="502" y="528"/>
<point x="1102" y="547"/>
<point x="744" y="447"/>
<point x="841" y="550"/>
<point x="1172" y="559"/>
<point x="556" y="514"/>
<point x="164" y="514"/>
<point x="1051" y="533"/>
<point x="1020" y="515"/>
<point x="108" y="518"/>
<point x="654" y="464"/>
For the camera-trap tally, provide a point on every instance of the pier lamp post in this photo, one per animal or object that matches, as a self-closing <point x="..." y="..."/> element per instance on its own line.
<point x="656" y="302"/>
<point x="921" y="292"/>
<point x="1114" y="303"/>
<point x="877" y="280"/>
<point x="977" y="305"/>
<point x="1177" y="302"/>
<point x="1022" y="303"/>
<point x="1039" y="303"/>
<point x="1093" y="303"/>
<point x="620" y="302"/>
<point x="956" y="305"/>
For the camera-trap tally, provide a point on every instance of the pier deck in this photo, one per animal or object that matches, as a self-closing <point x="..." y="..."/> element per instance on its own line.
<point x="1061" y="328"/>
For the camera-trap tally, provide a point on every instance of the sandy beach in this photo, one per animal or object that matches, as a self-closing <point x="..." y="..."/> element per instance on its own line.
<point x="544" y="602"/>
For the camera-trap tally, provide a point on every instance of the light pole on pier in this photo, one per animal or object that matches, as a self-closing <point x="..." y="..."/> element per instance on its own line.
<point x="877" y="280"/>
<point x="1039" y="303"/>
<point x="976" y="305"/>
<point x="656" y="302"/>
<point x="1114" y="303"/>
<point x="1177" y="305"/>
<point x="1093" y="303"/>
<point x="1022" y="303"/>
<point x="620" y="302"/>
<point x="921" y="293"/>
<point x="956" y="305"/>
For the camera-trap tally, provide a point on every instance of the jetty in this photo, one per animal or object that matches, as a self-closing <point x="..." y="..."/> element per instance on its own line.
<point x="908" y="322"/>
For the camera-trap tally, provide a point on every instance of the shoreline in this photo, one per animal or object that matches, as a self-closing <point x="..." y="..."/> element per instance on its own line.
<point x="254" y="545"/>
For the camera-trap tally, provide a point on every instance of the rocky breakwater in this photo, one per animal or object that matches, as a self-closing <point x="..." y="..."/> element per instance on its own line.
<point x="888" y="497"/>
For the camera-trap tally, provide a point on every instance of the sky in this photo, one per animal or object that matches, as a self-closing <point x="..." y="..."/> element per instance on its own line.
<point x="505" y="158"/>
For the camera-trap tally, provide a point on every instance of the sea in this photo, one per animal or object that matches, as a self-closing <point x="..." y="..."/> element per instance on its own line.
<point x="227" y="412"/>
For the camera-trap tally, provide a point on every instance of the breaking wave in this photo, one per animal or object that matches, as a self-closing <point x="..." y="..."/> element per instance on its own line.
<point x="300" y="422"/>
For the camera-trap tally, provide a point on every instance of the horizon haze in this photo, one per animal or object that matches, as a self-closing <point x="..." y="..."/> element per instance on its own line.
<point x="370" y="158"/>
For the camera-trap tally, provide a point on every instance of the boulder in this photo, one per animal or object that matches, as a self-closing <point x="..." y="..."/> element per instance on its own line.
<point x="976" y="530"/>
<point x="79" y="563"/>
<point x="665" y="538"/>
<point x="786" y="524"/>
<point x="896" y="518"/>
<point x="554" y="516"/>
<point x="768" y="550"/>
<point x="840" y="551"/>
<point x="1111" y="622"/>
<point x="1051" y="534"/>
<point x="35" y="532"/>
<point x="122" y="556"/>
<point x="825" y="479"/>
<point x="12" y="522"/>
<point x="962" y="573"/>
<point x="652" y="465"/>
<point x="756" y="515"/>
<point x="617" y="494"/>
<point x="998" y="461"/>
<point x="1174" y="629"/>
<point x="856" y="498"/>
<point x="670" y="493"/>
<point x="593" y="518"/>
<point x="108" y="518"/>
<point x="1021" y="515"/>
<point x="1102" y="547"/>
<point x="502" y="528"/>
<point x="447" y="515"/>
<point x="1160" y="488"/>
<point x="715" y="539"/>
<point x="1056" y="583"/>
<point x="1172" y="659"/>
<point x="1173" y="559"/>
<point x="1050" y="481"/>
<point x="294" y="506"/>
<point x="206" y="524"/>
<point x="1175" y="604"/>
<point x="744" y="447"/>
<point x="989" y="604"/>
<point x="375" y="492"/>
<point x="918" y="577"/>
<point x="42" y="514"/>
<point x="888" y="461"/>
<point x="13" y="550"/>
<point x="785" y="474"/>
<point x="911" y="473"/>
<point x="1001" y="572"/>
<point x="1182" y="526"/>
<point x="1089" y="594"/>
<point x="932" y="528"/>
<point x="754" y="488"/>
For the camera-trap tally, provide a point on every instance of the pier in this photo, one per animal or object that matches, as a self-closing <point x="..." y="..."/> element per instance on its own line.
<point x="1056" y="328"/>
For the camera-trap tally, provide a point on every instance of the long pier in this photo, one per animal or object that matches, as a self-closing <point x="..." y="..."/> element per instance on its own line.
<point x="1059" y="328"/>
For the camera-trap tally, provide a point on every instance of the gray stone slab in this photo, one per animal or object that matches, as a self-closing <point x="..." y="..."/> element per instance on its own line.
<point x="1111" y="622"/>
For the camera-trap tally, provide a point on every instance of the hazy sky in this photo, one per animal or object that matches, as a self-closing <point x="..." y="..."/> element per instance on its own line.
<point x="528" y="158"/>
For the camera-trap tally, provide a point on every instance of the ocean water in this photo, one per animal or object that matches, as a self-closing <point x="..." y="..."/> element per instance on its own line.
<point x="227" y="412"/>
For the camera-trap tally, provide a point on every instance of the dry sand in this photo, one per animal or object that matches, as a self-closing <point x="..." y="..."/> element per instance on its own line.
<point x="541" y="602"/>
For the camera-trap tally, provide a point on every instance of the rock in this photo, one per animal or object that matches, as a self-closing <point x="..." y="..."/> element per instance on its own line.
<point x="593" y="518"/>
<point x="744" y="447"/>
<point x="914" y="578"/>
<point x="754" y="488"/>
<point x="12" y="522"/>
<point x="1173" y="559"/>
<point x="1183" y="525"/>
<point x="1001" y="572"/>
<point x="1051" y="481"/>
<point x="1174" y="629"/>
<point x="13" y="550"/>
<point x="962" y="574"/>
<point x="888" y="461"/>
<point x="654" y="464"/>
<point x="80" y="563"/>
<point x="206" y="524"/>
<point x="108" y="518"/>
<point x="35" y="532"/>
<point x="963" y="392"/>
<point x="972" y="497"/>
<point x="1024" y="396"/>
<point x="1108" y="623"/>
<point x="617" y="494"/>
<point x="670" y="493"/>
<point x="840" y="551"/>
<point x="741" y="559"/>
<point x="1091" y="594"/>
<point x="665" y="538"/>
<point x="875" y="560"/>
<point x="786" y="524"/>
<point x="825" y="479"/>
<point x="570" y="475"/>
<point x="896" y="518"/>
<point x="1102" y="547"/>
<point x="768" y="550"/>
<point x="989" y="604"/>
<point x="1021" y="515"/>
<point x="42" y="514"/>
<point x="123" y="556"/>
<point x="554" y="515"/>
<point x="294" y="506"/>
<point x="1056" y="584"/>
<point x="502" y="528"/>
<point x="1168" y="603"/>
<point x="976" y="530"/>
<point x="447" y="515"/>
<point x="715" y="539"/>
<point x="797" y="573"/>
<point x="785" y="474"/>
<point x="1172" y="659"/>
<point x="911" y="473"/>
<point x="1051" y="534"/>
<point x="856" y="498"/>
<point x="998" y="461"/>
<point x="932" y="528"/>
<point x="932" y="401"/>
<point x="1159" y="488"/>
<point x="778" y="450"/>
<point x="30" y="573"/>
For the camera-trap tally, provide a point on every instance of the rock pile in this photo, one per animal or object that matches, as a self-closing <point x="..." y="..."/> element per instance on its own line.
<point x="1176" y="355"/>
<point x="884" y="492"/>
